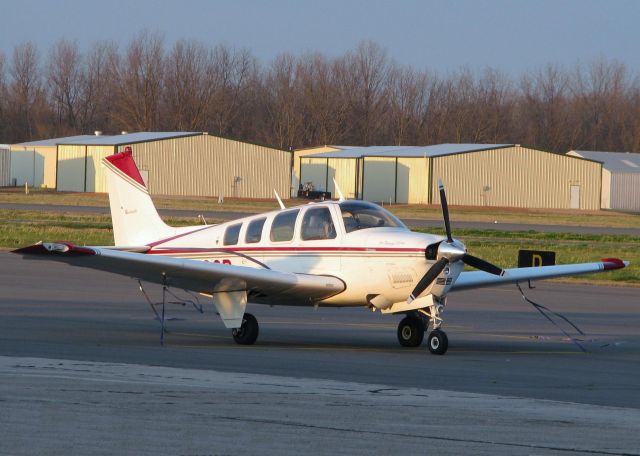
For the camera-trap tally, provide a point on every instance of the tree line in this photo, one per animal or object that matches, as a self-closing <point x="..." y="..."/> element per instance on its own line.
<point x="360" y="98"/>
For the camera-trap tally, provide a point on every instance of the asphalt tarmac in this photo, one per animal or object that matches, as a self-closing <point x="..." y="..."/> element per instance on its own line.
<point x="414" y="223"/>
<point x="503" y="356"/>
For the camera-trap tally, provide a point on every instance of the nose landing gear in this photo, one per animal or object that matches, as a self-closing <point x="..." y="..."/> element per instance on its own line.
<point x="411" y="329"/>
<point x="438" y="342"/>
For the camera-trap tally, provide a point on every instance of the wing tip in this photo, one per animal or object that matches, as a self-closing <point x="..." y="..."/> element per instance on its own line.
<point x="47" y="248"/>
<point x="613" y="263"/>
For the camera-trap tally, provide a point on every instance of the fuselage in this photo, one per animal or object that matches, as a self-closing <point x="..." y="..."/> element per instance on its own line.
<point x="364" y="245"/>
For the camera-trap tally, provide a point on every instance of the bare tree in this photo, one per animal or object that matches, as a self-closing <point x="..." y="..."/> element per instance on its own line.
<point x="189" y="83"/>
<point x="234" y="74"/>
<point x="323" y="101"/>
<point x="366" y="86"/>
<point x="26" y="94"/>
<point x="65" y="80"/>
<point x="359" y="98"/>
<point x="99" y="88"/>
<point x="4" y="130"/>
<point x="282" y="101"/>
<point x="139" y="81"/>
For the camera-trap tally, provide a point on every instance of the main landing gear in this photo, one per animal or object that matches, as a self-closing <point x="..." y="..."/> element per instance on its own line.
<point x="247" y="333"/>
<point x="411" y="330"/>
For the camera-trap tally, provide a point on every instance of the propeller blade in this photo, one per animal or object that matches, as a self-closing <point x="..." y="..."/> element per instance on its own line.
<point x="483" y="265"/>
<point x="429" y="277"/>
<point x="445" y="211"/>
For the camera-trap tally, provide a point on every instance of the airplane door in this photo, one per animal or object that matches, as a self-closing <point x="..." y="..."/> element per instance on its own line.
<point x="319" y="244"/>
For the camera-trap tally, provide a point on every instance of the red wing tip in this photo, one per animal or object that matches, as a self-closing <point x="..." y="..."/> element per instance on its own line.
<point x="613" y="263"/>
<point x="47" y="248"/>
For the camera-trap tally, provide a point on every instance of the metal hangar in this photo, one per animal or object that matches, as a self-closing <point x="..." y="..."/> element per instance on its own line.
<point x="503" y="175"/>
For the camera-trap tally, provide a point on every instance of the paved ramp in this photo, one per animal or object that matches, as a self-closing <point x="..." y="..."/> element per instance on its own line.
<point x="71" y="407"/>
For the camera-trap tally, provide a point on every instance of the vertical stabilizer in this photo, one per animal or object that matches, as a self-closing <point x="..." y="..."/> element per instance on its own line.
<point x="135" y="219"/>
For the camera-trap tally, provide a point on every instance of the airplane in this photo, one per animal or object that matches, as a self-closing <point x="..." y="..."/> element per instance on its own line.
<point x="329" y="253"/>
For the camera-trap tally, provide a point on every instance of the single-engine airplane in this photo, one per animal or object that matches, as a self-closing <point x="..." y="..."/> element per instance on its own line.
<point x="330" y="253"/>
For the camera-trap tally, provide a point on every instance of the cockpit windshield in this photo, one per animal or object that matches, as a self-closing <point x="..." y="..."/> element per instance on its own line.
<point x="360" y="215"/>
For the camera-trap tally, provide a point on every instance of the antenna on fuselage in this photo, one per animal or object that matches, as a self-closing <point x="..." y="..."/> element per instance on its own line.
<point x="278" y="198"/>
<point x="338" y="191"/>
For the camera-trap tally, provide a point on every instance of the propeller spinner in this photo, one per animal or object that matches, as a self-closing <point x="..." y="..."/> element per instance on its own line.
<point x="449" y="252"/>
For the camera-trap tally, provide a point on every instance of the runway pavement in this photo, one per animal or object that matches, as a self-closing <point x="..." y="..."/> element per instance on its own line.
<point x="76" y="346"/>
<point x="411" y="222"/>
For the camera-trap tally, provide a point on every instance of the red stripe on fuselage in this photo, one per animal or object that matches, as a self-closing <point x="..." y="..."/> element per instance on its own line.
<point x="177" y="236"/>
<point x="287" y="249"/>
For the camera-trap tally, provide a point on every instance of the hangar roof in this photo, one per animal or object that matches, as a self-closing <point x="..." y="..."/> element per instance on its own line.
<point x="109" y="140"/>
<point x="55" y="141"/>
<point x="621" y="162"/>
<point x="406" y="151"/>
<point x="130" y="138"/>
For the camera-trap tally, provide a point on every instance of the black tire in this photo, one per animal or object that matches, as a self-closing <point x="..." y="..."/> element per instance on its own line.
<point x="438" y="342"/>
<point x="410" y="332"/>
<point x="248" y="332"/>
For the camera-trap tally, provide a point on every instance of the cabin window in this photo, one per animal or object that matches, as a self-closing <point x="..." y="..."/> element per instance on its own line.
<point x="254" y="231"/>
<point x="232" y="234"/>
<point x="283" y="225"/>
<point x="360" y="215"/>
<point x="317" y="224"/>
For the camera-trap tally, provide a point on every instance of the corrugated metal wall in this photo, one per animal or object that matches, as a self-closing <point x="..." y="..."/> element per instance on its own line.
<point x="605" y="200"/>
<point x="71" y="168"/>
<point x="205" y="165"/>
<point x="344" y="172"/>
<point x="5" y="167"/>
<point x="96" y="177"/>
<point x="625" y="191"/>
<point x="517" y="177"/>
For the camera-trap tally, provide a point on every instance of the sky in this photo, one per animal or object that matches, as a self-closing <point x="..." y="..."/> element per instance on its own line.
<point x="512" y="36"/>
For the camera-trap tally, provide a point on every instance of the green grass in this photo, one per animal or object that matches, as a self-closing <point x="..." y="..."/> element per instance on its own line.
<point x="20" y="228"/>
<point x="478" y="214"/>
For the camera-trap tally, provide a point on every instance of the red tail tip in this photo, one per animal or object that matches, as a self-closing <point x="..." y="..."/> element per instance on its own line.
<point x="125" y="163"/>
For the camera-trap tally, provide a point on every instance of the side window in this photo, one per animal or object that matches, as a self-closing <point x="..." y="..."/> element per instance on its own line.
<point x="231" y="234"/>
<point x="283" y="225"/>
<point x="254" y="231"/>
<point x="317" y="224"/>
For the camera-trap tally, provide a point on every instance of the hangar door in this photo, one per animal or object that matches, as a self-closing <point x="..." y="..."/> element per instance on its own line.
<point x="314" y="170"/>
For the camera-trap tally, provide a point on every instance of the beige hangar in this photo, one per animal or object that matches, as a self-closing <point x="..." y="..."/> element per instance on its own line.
<point x="180" y="163"/>
<point x="503" y="175"/>
<point x="620" y="178"/>
<point x="35" y="162"/>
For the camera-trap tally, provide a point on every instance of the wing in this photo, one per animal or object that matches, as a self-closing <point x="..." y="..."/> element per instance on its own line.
<point x="263" y="286"/>
<point x="477" y="279"/>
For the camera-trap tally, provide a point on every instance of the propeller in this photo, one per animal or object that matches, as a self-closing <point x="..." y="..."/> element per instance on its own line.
<point x="450" y="251"/>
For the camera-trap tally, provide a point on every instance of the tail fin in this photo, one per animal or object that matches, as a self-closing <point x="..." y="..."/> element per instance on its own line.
<point x="135" y="219"/>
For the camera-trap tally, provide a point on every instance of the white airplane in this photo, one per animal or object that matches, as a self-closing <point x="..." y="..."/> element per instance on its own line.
<point x="330" y="253"/>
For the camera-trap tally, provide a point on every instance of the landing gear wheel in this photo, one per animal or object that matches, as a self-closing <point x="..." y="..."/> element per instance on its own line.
<point x="248" y="332"/>
<point x="410" y="332"/>
<point x="438" y="342"/>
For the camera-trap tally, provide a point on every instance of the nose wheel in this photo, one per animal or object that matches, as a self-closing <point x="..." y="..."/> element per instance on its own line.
<point x="438" y="342"/>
